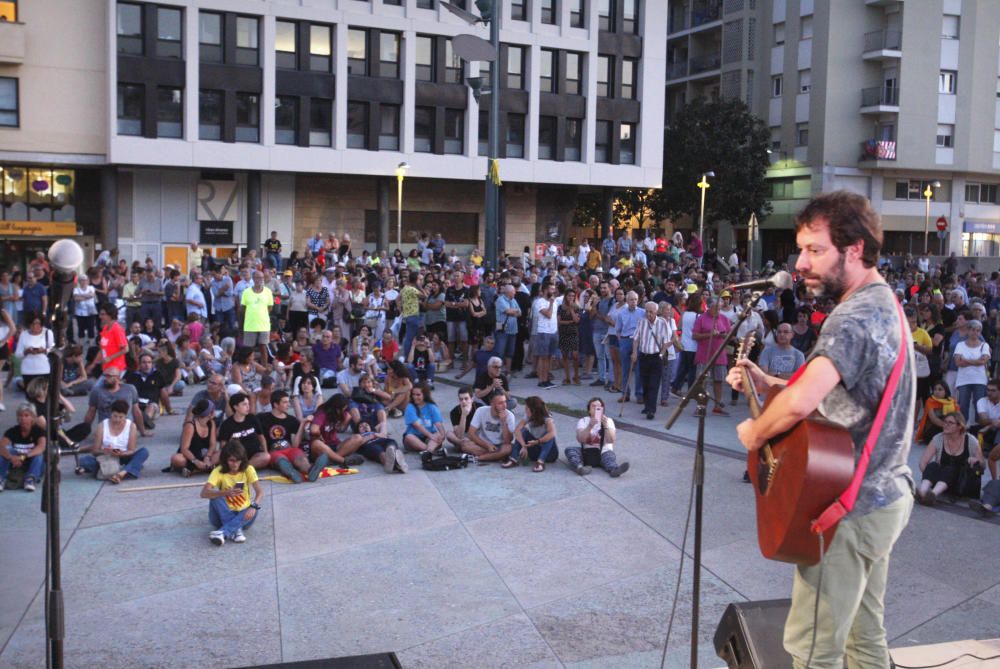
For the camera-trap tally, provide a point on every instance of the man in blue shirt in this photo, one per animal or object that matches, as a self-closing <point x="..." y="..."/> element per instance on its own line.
<point x="34" y="297"/>
<point x="626" y="321"/>
<point x="315" y="244"/>
<point x="507" y="313"/>
<point x="223" y="301"/>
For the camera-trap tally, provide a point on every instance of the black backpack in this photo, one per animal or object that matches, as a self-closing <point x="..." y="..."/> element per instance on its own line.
<point x="437" y="462"/>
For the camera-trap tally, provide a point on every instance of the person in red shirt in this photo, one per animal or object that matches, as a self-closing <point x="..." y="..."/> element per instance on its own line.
<point x="113" y="343"/>
<point x="389" y="350"/>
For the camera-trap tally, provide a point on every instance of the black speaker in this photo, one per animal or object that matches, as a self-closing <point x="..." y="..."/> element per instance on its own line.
<point x="377" y="661"/>
<point x="749" y="636"/>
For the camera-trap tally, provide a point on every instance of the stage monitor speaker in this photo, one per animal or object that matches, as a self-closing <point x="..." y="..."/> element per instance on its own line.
<point x="749" y="636"/>
<point x="377" y="661"/>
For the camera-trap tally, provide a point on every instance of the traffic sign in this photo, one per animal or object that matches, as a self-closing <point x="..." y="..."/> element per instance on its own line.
<point x="942" y="234"/>
<point x="942" y="223"/>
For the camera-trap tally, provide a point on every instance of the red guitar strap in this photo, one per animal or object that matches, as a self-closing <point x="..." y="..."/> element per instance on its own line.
<point x="843" y="504"/>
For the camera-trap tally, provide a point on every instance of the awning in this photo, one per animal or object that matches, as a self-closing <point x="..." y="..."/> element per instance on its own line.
<point x="989" y="227"/>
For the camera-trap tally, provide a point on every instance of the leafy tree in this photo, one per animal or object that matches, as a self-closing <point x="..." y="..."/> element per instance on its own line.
<point x="589" y="208"/>
<point x="724" y="137"/>
<point x="645" y="205"/>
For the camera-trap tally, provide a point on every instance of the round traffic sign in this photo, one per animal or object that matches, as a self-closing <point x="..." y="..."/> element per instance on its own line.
<point x="942" y="223"/>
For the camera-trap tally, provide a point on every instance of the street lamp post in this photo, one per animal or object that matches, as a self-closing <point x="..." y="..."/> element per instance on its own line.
<point x="928" y="194"/>
<point x="400" y="174"/>
<point x="703" y="185"/>
<point x="492" y="189"/>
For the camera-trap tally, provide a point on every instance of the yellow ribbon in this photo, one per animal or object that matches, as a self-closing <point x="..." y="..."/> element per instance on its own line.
<point x="495" y="172"/>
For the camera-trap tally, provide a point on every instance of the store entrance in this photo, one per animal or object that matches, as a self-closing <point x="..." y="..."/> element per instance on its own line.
<point x="16" y="253"/>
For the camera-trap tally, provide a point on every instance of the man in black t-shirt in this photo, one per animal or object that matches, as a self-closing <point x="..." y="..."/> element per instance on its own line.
<point x="492" y="381"/>
<point x="283" y="434"/>
<point x="245" y="426"/>
<point x="23" y="446"/>
<point x="273" y="249"/>
<point x="456" y="312"/>
<point x="461" y="416"/>
<point x="148" y="383"/>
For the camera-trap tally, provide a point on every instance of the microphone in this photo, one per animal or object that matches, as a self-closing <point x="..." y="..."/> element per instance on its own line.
<point x="780" y="280"/>
<point x="65" y="257"/>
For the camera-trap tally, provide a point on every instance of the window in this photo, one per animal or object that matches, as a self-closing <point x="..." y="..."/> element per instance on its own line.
<point x="425" y="58"/>
<point x="549" y="12"/>
<point x="805" y="81"/>
<point x="129" y="29"/>
<point x="806" y="27"/>
<point x="945" y="133"/>
<point x="574" y="139"/>
<point x="168" y="32"/>
<point x="320" y="48"/>
<point x="949" y="26"/>
<point x="247" y="31"/>
<point x="452" y="64"/>
<point x="8" y="10"/>
<point x="630" y="16"/>
<point x="388" y="55"/>
<point x="425" y="4"/>
<point x="210" y="105"/>
<point x="286" y="119"/>
<point x="914" y="190"/>
<point x="454" y="131"/>
<point x="247" y="117"/>
<point x="604" y="16"/>
<point x="285" y="41"/>
<point x="574" y="72"/>
<point x="320" y="122"/>
<point x="519" y="10"/>
<point x="8" y="102"/>
<point x="169" y="112"/>
<point x="947" y="82"/>
<point x="515" y="135"/>
<point x="131" y="100"/>
<point x="776" y="85"/>
<point x="357" y="52"/>
<point x="802" y="134"/>
<point x="604" y="76"/>
<point x="515" y="67"/>
<point x="484" y="132"/>
<point x="423" y="129"/>
<point x="394" y="3"/>
<point x="546" y="67"/>
<point x="576" y="14"/>
<point x="981" y="193"/>
<point x="388" y="132"/>
<point x="779" y="33"/>
<point x="357" y="125"/>
<point x="628" y="78"/>
<point x="626" y="145"/>
<point x="546" y="137"/>
<point x="210" y="37"/>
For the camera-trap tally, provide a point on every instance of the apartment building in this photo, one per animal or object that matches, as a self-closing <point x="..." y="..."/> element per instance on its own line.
<point x="882" y="97"/>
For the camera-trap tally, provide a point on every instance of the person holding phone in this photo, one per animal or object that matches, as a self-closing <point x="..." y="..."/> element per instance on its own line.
<point x="595" y="434"/>
<point x="231" y="508"/>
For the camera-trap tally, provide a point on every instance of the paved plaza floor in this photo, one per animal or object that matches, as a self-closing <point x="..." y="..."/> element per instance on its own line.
<point x="482" y="567"/>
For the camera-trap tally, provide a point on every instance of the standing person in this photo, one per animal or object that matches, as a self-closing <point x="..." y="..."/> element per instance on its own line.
<point x="231" y="507"/>
<point x="194" y="297"/>
<point x="652" y="337"/>
<point x="568" y="316"/>
<point x="507" y="313"/>
<point x="626" y="320"/>
<point x="255" y="315"/>
<point x="223" y="304"/>
<point x="410" y="297"/>
<point x="272" y="247"/>
<point x="33" y="347"/>
<point x="709" y="332"/>
<point x="840" y="236"/>
<point x="85" y="310"/>
<point x="598" y="307"/>
<point x="545" y="337"/>
<point x="972" y="357"/>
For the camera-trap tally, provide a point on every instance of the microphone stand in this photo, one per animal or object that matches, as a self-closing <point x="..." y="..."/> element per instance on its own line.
<point x="699" y="394"/>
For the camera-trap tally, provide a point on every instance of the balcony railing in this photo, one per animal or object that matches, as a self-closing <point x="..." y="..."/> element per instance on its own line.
<point x="678" y="21"/>
<point x="878" y="149"/>
<point x="705" y="64"/>
<point x="884" y="40"/>
<point x="705" y="13"/>
<point x="677" y="70"/>
<point x="880" y="96"/>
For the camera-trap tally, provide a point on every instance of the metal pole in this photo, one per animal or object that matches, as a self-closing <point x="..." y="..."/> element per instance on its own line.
<point x="927" y="215"/>
<point x="703" y="185"/>
<point x="399" y="210"/>
<point x="494" y="144"/>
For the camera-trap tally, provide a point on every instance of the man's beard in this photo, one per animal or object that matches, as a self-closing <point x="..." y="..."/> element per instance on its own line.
<point x="831" y="285"/>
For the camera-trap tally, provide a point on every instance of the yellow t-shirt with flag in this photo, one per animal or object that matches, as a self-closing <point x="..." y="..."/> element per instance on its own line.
<point x="258" y="309"/>
<point x="245" y="479"/>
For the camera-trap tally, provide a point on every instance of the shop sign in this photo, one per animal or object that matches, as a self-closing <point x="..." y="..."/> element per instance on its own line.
<point x="217" y="201"/>
<point x="216" y="232"/>
<point x="38" y="228"/>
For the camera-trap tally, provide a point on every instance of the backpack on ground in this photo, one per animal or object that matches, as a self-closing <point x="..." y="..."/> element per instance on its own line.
<point x="436" y="462"/>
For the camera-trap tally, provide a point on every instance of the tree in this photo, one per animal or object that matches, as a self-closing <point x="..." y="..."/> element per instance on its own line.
<point x="724" y="137"/>
<point x="642" y="204"/>
<point x="589" y="207"/>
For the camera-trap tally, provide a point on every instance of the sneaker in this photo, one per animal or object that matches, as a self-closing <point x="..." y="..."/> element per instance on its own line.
<point x="401" y="461"/>
<point x="29" y="485"/>
<point x="597" y="383"/>
<point x="676" y="393"/>
<point x="389" y="461"/>
<point x="216" y="537"/>
<point x="395" y="413"/>
<point x="548" y="384"/>
<point x="979" y="508"/>
<point x="317" y="469"/>
<point x="619" y="470"/>
<point x="239" y="537"/>
<point x="289" y="470"/>
<point x="354" y="460"/>
<point x="583" y="470"/>
<point x="650" y="416"/>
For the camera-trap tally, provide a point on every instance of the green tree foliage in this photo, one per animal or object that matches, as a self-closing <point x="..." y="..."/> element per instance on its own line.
<point x="645" y="205"/>
<point x="724" y="137"/>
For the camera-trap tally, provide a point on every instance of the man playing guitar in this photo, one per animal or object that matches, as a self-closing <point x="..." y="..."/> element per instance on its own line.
<point x="839" y="236"/>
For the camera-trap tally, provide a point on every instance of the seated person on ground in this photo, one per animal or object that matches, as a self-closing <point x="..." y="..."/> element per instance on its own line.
<point x="398" y="386"/>
<point x="245" y="426"/>
<point x="936" y="407"/>
<point x="109" y="390"/>
<point x="368" y="419"/>
<point x="420" y="360"/>
<point x="534" y="436"/>
<point x="348" y="377"/>
<point x="331" y="433"/>
<point x="491" y="382"/>
<point x="945" y="457"/>
<point x="115" y="437"/>
<point x="262" y="398"/>
<point x="23" y="446"/>
<point x="198" y="450"/>
<point x="989" y="502"/>
<point x="75" y="381"/>
<point x="231" y="507"/>
<point x="283" y="433"/>
<point x="595" y="434"/>
<point x="461" y="416"/>
<point x="215" y="394"/>
<point x="479" y="360"/>
<point x="988" y="416"/>
<point x="491" y="431"/>
<point x="424" y="426"/>
<point x="309" y="397"/>
<point x="148" y="383"/>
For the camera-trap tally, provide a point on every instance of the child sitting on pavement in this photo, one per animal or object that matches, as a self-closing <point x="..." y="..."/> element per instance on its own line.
<point x="231" y="507"/>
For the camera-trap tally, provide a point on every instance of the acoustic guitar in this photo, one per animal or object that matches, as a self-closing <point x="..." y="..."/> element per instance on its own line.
<point x="795" y="477"/>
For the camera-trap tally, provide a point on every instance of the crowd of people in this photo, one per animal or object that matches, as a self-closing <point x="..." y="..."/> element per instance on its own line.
<point x="328" y="356"/>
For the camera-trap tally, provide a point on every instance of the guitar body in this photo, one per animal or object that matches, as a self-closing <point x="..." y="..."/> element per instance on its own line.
<point x="814" y="463"/>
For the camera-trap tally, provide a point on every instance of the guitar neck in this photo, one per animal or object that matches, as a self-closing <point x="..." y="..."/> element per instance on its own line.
<point x="751" y="394"/>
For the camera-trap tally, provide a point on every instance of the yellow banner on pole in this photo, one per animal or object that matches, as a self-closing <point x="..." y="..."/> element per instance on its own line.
<point x="495" y="172"/>
<point x="39" y="228"/>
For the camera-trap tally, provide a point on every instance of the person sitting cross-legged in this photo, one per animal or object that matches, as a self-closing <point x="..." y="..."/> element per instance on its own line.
<point x="461" y="416"/>
<point x="23" y="446"/>
<point x="491" y="431"/>
<point x="369" y="420"/>
<point x="534" y="436"/>
<point x="424" y="424"/>
<point x="283" y="433"/>
<point x="197" y="451"/>
<point x="595" y="433"/>
<point x="945" y="457"/>
<point x="231" y="507"/>
<point x="115" y="438"/>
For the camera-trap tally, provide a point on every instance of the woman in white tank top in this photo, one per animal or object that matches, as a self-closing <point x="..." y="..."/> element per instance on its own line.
<point x="116" y="437"/>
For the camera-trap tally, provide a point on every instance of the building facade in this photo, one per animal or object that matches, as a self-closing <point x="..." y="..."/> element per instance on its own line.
<point x="882" y="97"/>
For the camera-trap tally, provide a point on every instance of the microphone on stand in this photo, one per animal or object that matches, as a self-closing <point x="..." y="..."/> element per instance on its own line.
<point x="65" y="257"/>
<point x="780" y="280"/>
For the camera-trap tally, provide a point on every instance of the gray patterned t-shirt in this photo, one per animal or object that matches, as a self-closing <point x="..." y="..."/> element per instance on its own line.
<point x="861" y="338"/>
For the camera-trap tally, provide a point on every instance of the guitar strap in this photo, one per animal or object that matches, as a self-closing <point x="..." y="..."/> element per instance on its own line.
<point x="845" y="502"/>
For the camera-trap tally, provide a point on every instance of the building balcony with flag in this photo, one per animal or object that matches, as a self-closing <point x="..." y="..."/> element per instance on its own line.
<point x="876" y="150"/>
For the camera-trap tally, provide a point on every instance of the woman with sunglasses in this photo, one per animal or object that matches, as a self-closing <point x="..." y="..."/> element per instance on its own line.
<point x="945" y="457"/>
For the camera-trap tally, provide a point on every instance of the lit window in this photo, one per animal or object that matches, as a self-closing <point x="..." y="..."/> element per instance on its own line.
<point x="247" y="30"/>
<point x="285" y="40"/>
<point x="626" y="144"/>
<point x="357" y="52"/>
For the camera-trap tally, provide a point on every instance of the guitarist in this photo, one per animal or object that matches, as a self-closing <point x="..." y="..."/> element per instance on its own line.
<point x="839" y="236"/>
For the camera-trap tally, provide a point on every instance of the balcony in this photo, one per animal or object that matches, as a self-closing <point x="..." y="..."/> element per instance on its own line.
<point x="883" y="45"/>
<point x="677" y="70"/>
<point x="877" y="150"/>
<point x="12" y="42"/>
<point x="880" y="100"/>
<point x="705" y="64"/>
<point x="705" y="13"/>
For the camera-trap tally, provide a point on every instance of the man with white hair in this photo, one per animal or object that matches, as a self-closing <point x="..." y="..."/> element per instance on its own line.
<point x="649" y="347"/>
<point x="626" y="321"/>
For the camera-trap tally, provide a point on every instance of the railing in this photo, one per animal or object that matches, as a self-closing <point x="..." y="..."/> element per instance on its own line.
<point x="891" y="40"/>
<point x="878" y="149"/>
<point x="705" y="64"/>
<point x="677" y="70"/>
<point x="880" y="96"/>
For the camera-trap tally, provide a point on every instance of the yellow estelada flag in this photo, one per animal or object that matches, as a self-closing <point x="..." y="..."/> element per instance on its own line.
<point x="495" y="172"/>
<point x="327" y="473"/>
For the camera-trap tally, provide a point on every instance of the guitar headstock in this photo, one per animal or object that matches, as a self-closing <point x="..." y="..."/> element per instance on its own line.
<point x="746" y="345"/>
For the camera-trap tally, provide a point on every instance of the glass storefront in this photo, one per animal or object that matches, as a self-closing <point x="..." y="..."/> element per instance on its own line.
<point x="39" y="194"/>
